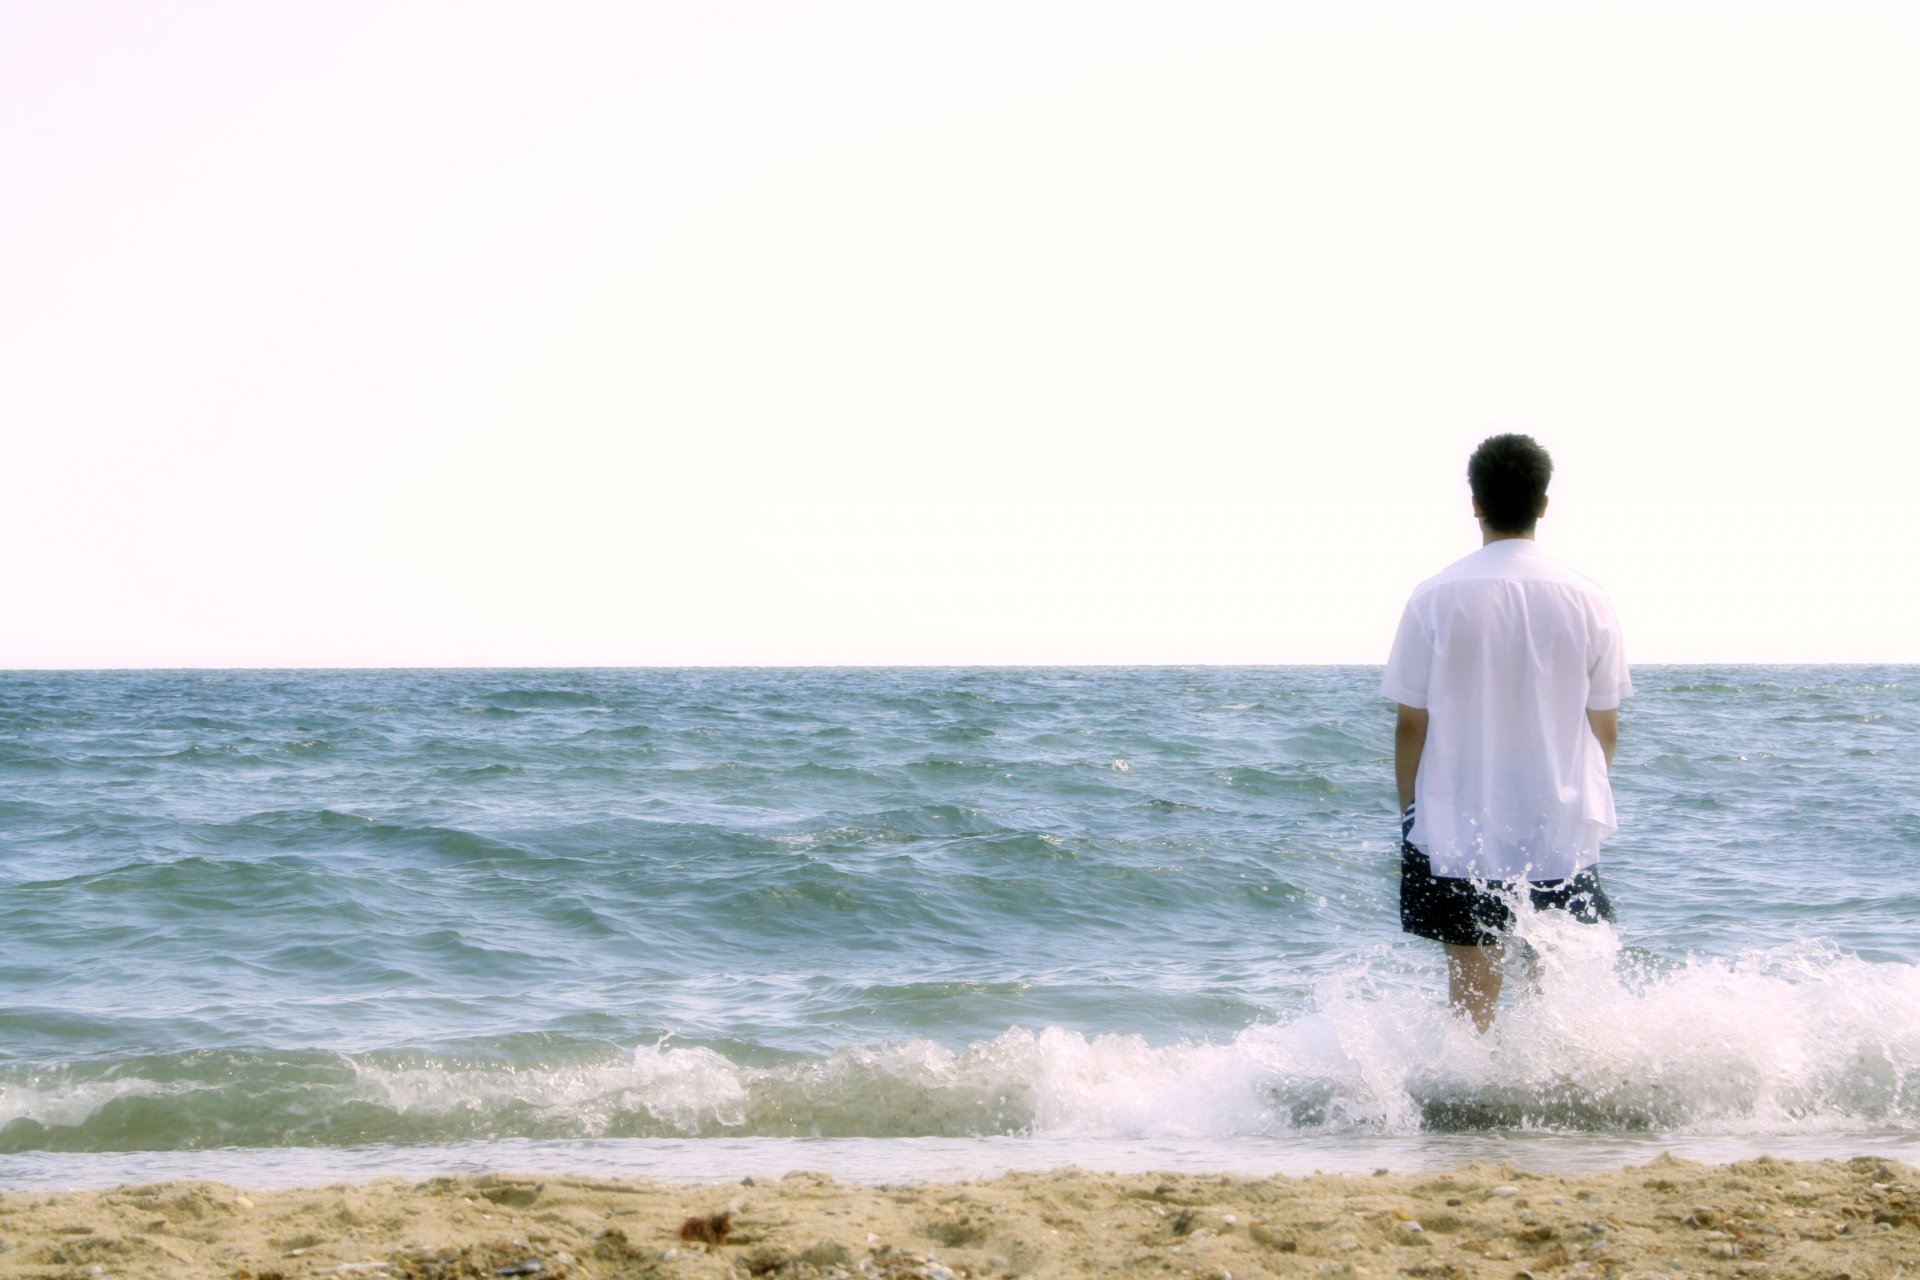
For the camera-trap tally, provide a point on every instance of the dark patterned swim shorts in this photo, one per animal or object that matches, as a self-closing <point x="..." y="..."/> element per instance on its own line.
<point x="1478" y="913"/>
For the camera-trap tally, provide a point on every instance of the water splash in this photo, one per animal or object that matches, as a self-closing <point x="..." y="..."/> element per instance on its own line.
<point x="1596" y="1040"/>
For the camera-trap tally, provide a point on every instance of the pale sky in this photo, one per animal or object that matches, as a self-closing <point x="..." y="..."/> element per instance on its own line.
<point x="346" y="333"/>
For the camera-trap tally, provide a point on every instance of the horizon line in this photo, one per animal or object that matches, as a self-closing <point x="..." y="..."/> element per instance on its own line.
<point x="878" y="666"/>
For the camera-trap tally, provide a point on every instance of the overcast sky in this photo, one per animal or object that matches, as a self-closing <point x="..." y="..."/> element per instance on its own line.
<point x="447" y="333"/>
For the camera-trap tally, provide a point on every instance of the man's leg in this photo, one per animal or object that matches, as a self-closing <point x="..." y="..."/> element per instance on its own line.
<point x="1474" y="975"/>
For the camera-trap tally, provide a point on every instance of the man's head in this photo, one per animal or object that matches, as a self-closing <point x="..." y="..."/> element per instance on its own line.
<point x="1509" y="474"/>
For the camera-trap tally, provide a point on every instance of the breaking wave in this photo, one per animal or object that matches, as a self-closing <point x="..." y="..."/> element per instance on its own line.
<point x="1775" y="1042"/>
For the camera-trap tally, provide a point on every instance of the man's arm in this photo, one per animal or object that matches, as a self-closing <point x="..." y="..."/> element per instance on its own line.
<point x="1606" y="727"/>
<point x="1409" y="740"/>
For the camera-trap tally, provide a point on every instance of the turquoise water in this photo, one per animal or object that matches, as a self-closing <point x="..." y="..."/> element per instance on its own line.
<point x="333" y="921"/>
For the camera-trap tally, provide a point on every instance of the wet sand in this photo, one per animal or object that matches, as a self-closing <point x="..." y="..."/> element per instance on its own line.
<point x="1763" y="1218"/>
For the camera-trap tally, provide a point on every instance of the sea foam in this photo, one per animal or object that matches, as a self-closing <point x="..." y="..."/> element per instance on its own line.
<point x="1781" y="1041"/>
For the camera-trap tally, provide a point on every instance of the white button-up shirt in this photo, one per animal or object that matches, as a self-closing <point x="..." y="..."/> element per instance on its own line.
<point x="1507" y="650"/>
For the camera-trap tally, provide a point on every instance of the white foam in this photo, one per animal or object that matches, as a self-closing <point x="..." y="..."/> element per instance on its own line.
<point x="57" y="1101"/>
<point x="1789" y="1042"/>
<point x="1780" y="1041"/>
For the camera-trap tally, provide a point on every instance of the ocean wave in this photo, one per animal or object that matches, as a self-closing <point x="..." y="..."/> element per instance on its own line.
<point x="1778" y="1042"/>
<point x="333" y="830"/>
<point x="16" y="756"/>
<point x="488" y="770"/>
<point x="534" y="699"/>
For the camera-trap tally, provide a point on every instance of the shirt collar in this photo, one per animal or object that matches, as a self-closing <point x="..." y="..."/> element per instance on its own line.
<point x="1512" y="546"/>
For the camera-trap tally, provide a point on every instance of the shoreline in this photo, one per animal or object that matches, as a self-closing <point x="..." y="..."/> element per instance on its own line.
<point x="1765" y="1217"/>
<point x="720" y="1161"/>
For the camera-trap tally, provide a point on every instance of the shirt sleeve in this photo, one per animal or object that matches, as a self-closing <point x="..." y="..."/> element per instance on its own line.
<point x="1608" y="680"/>
<point x="1405" y="679"/>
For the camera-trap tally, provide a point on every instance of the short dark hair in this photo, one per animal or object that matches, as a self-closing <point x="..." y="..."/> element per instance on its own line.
<point x="1509" y="475"/>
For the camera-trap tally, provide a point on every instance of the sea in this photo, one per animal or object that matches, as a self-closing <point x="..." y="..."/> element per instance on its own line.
<point x="895" y="924"/>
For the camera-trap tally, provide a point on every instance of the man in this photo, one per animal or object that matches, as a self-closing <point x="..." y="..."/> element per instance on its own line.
<point x="1509" y="672"/>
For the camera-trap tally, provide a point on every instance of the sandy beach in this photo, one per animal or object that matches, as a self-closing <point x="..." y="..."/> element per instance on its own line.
<point x="1858" y="1219"/>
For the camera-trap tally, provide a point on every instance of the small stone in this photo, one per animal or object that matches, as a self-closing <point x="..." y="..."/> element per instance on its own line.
<point x="1229" y="1219"/>
<point x="1262" y="1234"/>
<point x="1411" y="1226"/>
<point x="242" y="1202"/>
<point x="1504" y="1192"/>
